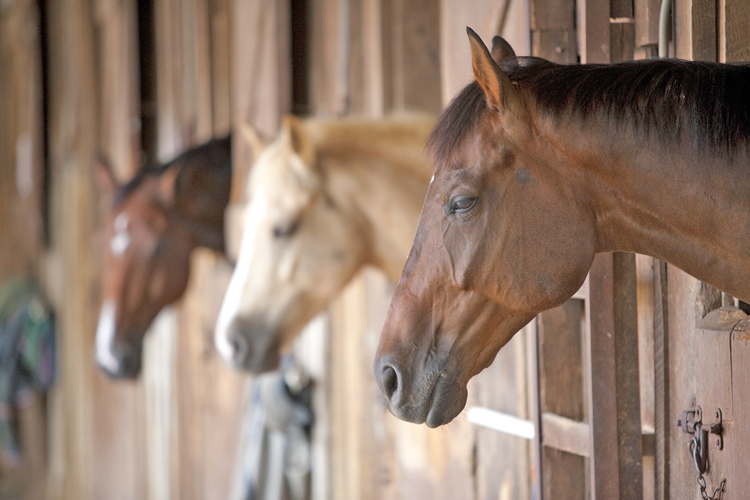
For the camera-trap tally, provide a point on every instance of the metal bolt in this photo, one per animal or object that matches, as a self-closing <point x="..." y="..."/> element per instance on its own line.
<point x="717" y="442"/>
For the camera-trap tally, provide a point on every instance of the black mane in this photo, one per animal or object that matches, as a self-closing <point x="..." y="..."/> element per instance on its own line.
<point x="218" y="150"/>
<point x="708" y="101"/>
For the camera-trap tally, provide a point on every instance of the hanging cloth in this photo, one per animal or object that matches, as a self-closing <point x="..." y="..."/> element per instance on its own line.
<point x="27" y="356"/>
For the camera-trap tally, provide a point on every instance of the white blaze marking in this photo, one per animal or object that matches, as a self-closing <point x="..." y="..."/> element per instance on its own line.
<point x="231" y="305"/>
<point x="121" y="240"/>
<point x="433" y="178"/>
<point x="105" y="336"/>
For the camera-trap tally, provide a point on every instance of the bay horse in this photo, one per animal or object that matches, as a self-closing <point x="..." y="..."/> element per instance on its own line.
<point x="539" y="166"/>
<point x="156" y="219"/>
<point x="325" y="199"/>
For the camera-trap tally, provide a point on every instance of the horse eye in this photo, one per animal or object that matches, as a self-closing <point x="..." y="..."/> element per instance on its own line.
<point x="461" y="204"/>
<point x="158" y="248"/>
<point x="285" y="230"/>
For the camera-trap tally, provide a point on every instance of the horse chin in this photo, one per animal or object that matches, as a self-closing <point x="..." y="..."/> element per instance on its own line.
<point x="128" y="368"/>
<point x="447" y="402"/>
<point x="435" y="407"/>
<point x="258" y="362"/>
<point x="268" y="363"/>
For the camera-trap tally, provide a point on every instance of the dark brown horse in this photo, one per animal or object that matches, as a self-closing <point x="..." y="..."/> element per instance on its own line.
<point x="155" y="221"/>
<point x="539" y="167"/>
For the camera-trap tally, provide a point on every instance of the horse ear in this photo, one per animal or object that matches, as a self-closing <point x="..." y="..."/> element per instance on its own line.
<point x="495" y="84"/>
<point x="167" y="185"/>
<point x="105" y="176"/>
<point x="501" y="50"/>
<point x="293" y="130"/>
<point x="253" y="139"/>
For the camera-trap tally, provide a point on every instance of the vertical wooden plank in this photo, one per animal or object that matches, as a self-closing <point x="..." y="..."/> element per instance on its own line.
<point x="561" y="386"/>
<point x="616" y="468"/>
<point x="118" y="416"/>
<point x="72" y="133"/>
<point x="696" y="35"/>
<point x="646" y="22"/>
<point x="737" y="43"/>
<point x="192" y="44"/>
<point x="502" y="463"/>
<point x="645" y="307"/>
<point x="502" y="387"/>
<point x="411" y="51"/>
<point x="553" y="30"/>
<point x="593" y="31"/>
<point x="662" y="422"/>
<point x="20" y="141"/>
<point x="219" y="18"/>
<point x="21" y="211"/>
<point x="484" y="17"/>
<point x="741" y="404"/>
<point x="622" y="39"/>
<point x="261" y="75"/>
<point x="704" y="30"/>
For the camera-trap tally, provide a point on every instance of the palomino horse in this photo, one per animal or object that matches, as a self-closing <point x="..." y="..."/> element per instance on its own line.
<point x="155" y="221"/>
<point x="324" y="199"/>
<point x="539" y="167"/>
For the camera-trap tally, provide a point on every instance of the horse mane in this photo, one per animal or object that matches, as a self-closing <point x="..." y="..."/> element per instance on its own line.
<point x="708" y="101"/>
<point x="198" y="156"/>
<point x="398" y="139"/>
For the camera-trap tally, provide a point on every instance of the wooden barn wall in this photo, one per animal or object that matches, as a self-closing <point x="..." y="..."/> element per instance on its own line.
<point x="174" y="433"/>
<point x="370" y="58"/>
<point x="22" y="206"/>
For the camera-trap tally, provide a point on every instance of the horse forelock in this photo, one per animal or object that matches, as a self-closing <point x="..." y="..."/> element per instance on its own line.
<point x="282" y="179"/>
<point x="663" y="99"/>
<point x="459" y="119"/>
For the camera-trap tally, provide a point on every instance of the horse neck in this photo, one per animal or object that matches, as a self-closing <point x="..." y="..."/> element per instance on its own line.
<point x="670" y="201"/>
<point x="202" y="192"/>
<point x="382" y="184"/>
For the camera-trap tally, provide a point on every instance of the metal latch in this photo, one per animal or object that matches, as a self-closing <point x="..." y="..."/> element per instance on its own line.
<point x="691" y="422"/>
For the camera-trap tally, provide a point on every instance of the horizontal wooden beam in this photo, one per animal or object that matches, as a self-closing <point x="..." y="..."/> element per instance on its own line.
<point x="565" y="434"/>
<point x="501" y="422"/>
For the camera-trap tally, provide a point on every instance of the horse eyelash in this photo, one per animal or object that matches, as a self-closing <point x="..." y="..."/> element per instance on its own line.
<point x="285" y="231"/>
<point x="452" y="209"/>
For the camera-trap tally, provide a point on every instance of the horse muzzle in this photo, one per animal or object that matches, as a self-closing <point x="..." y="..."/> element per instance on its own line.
<point x="243" y="350"/>
<point x="426" y="396"/>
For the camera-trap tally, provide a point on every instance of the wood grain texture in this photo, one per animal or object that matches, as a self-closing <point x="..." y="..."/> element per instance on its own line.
<point x="21" y="211"/>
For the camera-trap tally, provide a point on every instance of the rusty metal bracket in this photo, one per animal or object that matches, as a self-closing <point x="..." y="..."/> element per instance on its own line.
<point x="691" y="422"/>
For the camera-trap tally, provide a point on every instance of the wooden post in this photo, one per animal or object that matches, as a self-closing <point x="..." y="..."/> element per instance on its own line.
<point x="22" y="218"/>
<point x="73" y="131"/>
<point x="612" y="351"/>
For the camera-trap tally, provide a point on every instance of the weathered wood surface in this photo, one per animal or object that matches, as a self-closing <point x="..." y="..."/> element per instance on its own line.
<point x="612" y="351"/>
<point x="72" y="128"/>
<point x="561" y="393"/>
<point x="21" y="209"/>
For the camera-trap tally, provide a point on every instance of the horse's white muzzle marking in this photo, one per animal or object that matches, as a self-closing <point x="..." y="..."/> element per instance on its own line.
<point x="105" y="337"/>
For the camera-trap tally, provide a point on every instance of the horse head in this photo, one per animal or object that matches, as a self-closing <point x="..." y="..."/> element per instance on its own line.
<point x="500" y="239"/>
<point x="298" y="250"/>
<point x="154" y="222"/>
<point x="145" y="258"/>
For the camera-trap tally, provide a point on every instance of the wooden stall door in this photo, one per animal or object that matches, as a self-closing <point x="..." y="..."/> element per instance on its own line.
<point x="708" y="383"/>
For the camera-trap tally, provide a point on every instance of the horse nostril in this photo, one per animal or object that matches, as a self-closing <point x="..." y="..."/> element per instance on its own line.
<point x="390" y="382"/>
<point x="239" y="344"/>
